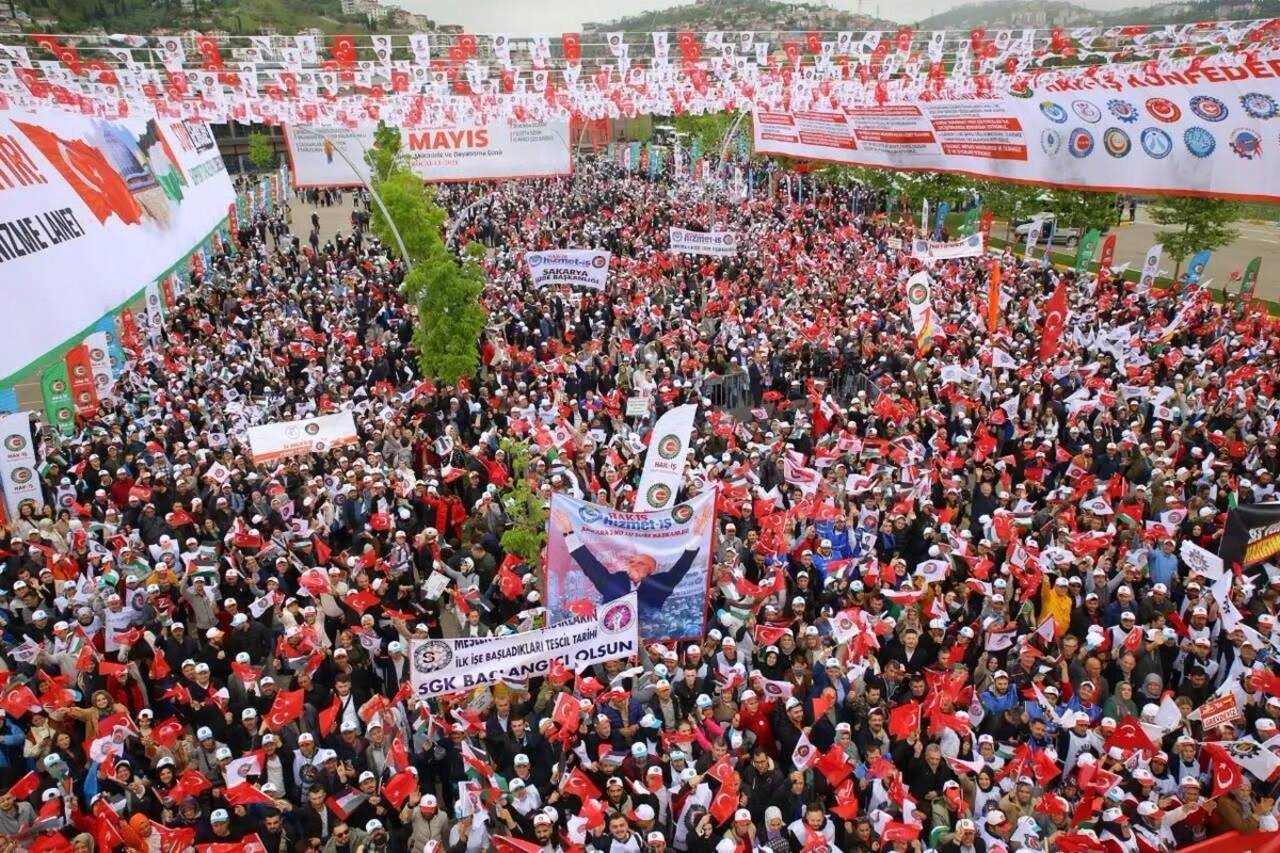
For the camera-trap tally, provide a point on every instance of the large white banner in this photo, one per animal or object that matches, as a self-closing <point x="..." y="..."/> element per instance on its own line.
<point x="599" y="554"/>
<point x="928" y="250"/>
<point x="583" y="267"/>
<point x="334" y="156"/>
<point x="1197" y="132"/>
<point x="18" y="464"/>
<point x="665" y="460"/>
<point x="718" y="243"/>
<point x="451" y="666"/>
<point x="309" y="435"/>
<point x="90" y="211"/>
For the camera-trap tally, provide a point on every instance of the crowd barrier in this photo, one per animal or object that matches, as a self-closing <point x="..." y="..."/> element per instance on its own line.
<point x="730" y="391"/>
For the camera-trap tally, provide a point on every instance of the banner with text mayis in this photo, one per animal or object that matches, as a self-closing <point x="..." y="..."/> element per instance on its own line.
<point x="325" y="156"/>
<point x="90" y="212"/>
<point x="1203" y="131"/>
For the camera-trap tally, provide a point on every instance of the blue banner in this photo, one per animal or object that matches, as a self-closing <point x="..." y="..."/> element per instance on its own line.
<point x="9" y="401"/>
<point x="943" y="209"/>
<point x="107" y="324"/>
<point x="1195" y="267"/>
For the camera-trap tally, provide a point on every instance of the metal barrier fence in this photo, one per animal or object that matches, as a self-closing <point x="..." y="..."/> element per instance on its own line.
<point x="855" y="382"/>
<point x="730" y="391"/>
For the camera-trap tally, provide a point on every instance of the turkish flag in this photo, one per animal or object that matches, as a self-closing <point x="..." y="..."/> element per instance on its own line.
<point x="398" y="788"/>
<point x="511" y="844"/>
<point x="286" y="708"/>
<point x="167" y="733"/>
<point x="1267" y="681"/>
<point x="724" y="804"/>
<point x="721" y="771"/>
<point x="323" y="552"/>
<point x="18" y="701"/>
<point x="582" y="608"/>
<point x="1055" y="321"/>
<point x="191" y="783"/>
<point x="174" y="839"/>
<point x="329" y="716"/>
<point x="580" y="785"/>
<point x="769" y="635"/>
<point x="25" y="787"/>
<point x="823" y="703"/>
<point x="107" y="669"/>
<point x="571" y="43"/>
<point x="245" y="794"/>
<point x="509" y="582"/>
<point x="898" y="831"/>
<point x="1226" y="774"/>
<point x="1130" y="735"/>
<point x="160" y="668"/>
<point x="566" y="714"/>
<point x="49" y="843"/>
<point x="1133" y="640"/>
<point x="834" y="764"/>
<point x="904" y="719"/>
<point x="362" y="600"/>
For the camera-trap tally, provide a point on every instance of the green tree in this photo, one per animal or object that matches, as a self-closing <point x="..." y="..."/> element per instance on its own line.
<point x="1197" y="223"/>
<point x="1083" y="210"/>
<point x="262" y="153"/>
<point x="710" y="129"/>
<point x="1007" y="201"/>
<point x="444" y="289"/>
<point x="528" y="515"/>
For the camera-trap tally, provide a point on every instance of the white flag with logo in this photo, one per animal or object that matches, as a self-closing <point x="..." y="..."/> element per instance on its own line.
<point x="804" y="753"/>
<point x="100" y="364"/>
<point x="665" y="460"/>
<point x="18" y="477"/>
<point x="1149" y="268"/>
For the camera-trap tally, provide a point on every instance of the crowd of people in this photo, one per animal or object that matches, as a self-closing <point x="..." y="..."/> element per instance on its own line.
<point x="950" y="606"/>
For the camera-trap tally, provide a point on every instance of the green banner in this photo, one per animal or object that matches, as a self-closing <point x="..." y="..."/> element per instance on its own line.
<point x="1250" y="281"/>
<point x="59" y="408"/>
<point x="1087" y="249"/>
<point x="970" y="223"/>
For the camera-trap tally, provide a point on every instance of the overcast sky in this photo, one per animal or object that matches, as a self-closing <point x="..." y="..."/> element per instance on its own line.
<point x="522" y="17"/>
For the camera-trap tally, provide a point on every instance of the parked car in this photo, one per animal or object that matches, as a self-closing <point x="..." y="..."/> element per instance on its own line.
<point x="1064" y="235"/>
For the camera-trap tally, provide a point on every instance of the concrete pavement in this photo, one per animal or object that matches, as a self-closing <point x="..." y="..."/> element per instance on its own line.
<point x="1255" y="240"/>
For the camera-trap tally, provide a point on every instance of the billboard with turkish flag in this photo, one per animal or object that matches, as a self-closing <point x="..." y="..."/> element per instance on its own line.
<point x="91" y="211"/>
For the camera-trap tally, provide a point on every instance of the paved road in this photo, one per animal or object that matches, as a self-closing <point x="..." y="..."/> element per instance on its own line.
<point x="1255" y="240"/>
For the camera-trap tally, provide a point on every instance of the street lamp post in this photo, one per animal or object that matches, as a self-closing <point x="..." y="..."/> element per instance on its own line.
<point x="368" y="184"/>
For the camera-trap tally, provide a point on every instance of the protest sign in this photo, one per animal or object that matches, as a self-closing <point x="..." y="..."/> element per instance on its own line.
<point x="599" y="554"/>
<point x="309" y="435"/>
<point x="721" y="244"/>
<point x="582" y="267"/>
<point x="458" y="664"/>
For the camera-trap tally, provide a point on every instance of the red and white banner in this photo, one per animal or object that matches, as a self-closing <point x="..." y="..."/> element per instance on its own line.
<point x="1194" y="133"/>
<point x="334" y="156"/>
<point x="309" y="435"/>
<point x="93" y="210"/>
